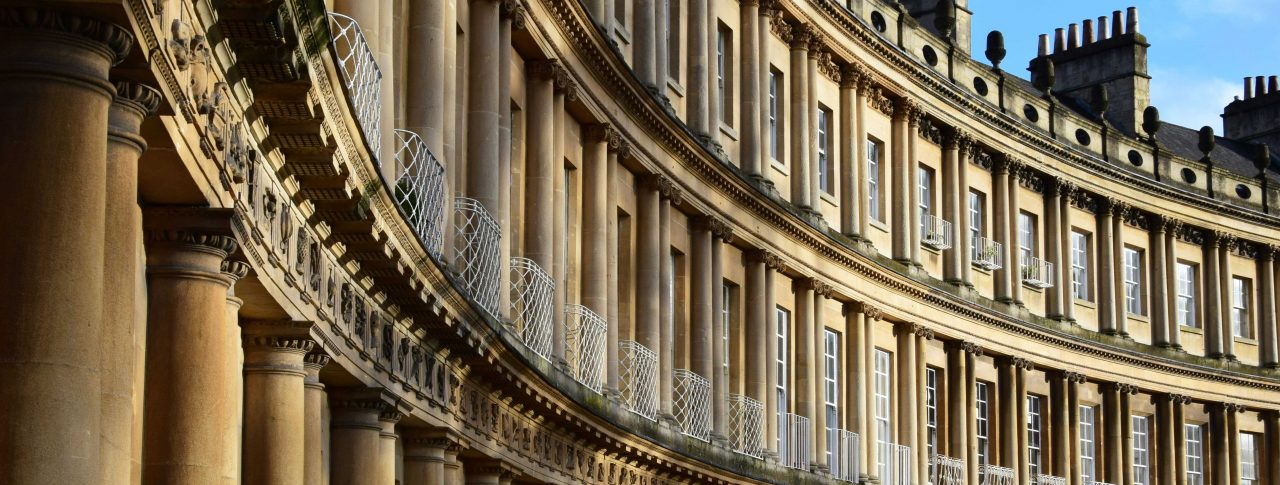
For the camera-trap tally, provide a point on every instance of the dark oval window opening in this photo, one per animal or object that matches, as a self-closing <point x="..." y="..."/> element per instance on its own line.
<point x="980" y="86"/>
<point x="877" y="21"/>
<point x="1188" y="175"/>
<point x="1243" y="191"/>
<point x="1083" y="137"/>
<point x="930" y="56"/>
<point x="1031" y="113"/>
<point x="1136" y="159"/>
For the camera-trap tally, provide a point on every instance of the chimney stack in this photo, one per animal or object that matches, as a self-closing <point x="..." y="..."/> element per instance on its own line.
<point x="1256" y="117"/>
<point x="1116" y="26"/>
<point x="1131" y="26"/>
<point x="1088" y="31"/>
<point x="1118" y="61"/>
<point x="1059" y="40"/>
<point x="1102" y="28"/>
<point x="1044" y="46"/>
<point x="1073" y="36"/>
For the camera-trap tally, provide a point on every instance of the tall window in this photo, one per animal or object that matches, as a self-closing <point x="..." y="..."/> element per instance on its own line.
<point x="873" y="181"/>
<point x="726" y="317"/>
<point x="780" y="366"/>
<point x="980" y="397"/>
<point x="724" y="74"/>
<point x="925" y="179"/>
<point x="1141" y="451"/>
<point x="1241" y="326"/>
<point x="1133" y="281"/>
<point x="1186" y="292"/>
<point x="620" y="12"/>
<point x="1195" y="453"/>
<point x="775" y="127"/>
<point x="824" y="148"/>
<point x="931" y="409"/>
<point x="673" y="38"/>
<point x="1086" y="444"/>
<point x="1033" y="434"/>
<point x="977" y="208"/>
<point x="882" y="409"/>
<point x="1026" y="238"/>
<point x="1248" y="459"/>
<point x="1080" y="265"/>
<point x="830" y="386"/>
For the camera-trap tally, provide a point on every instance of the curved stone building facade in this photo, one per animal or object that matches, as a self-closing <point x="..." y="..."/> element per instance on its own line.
<point x="622" y="242"/>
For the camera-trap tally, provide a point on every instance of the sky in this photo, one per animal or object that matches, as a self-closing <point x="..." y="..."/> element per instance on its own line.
<point x="1200" y="52"/>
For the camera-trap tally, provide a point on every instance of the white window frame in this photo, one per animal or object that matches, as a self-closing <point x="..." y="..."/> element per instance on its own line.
<point x="1026" y="238"/>
<point x="1088" y="456"/>
<point x="1185" y="290"/>
<point x="873" y="181"/>
<point x="982" y="404"/>
<point x="924" y="180"/>
<point x="775" y="79"/>
<point x="782" y="370"/>
<point x="1194" y="446"/>
<point x="931" y="409"/>
<point x="1141" y="440"/>
<point x="672" y="9"/>
<point x="824" y="148"/>
<point x="726" y="318"/>
<point x="977" y="221"/>
<point x="883" y="401"/>
<point x="1133" y="302"/>
<point x="1080" y="266"/>
<point x="831" y="385"/>
<point x="724" y="61"/>
<point x="1248" y="459"/>
<point x="1241" y="319"/>
<point x="1034" y="427"/>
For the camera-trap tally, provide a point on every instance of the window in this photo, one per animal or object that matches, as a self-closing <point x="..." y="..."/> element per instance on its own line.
<point x="882" y="408"/>
<point x="673" y="38"/>
<point x="931" y="409"/>
<point x="775" y="126"/>
<point x="620" y="11"/>
<point x="830" y="386"/>
<point x="1195" y="454"/>
<point x="980" y="397"/>
<point x="1241" y="326"/>
<point x="724" y="75"/>
<point x="1133" y="281"/>
<point x="1186" y="293"/>
<point x="1033" y="434"/>
<point x="1141" y="451"/>
<point x="1248" y="459"/>
<point x="780" y="366"/>
<point x="1086" y="444"/>
<point x="726" y="317"/>
<point x="1080" y="265"/>
<point x="1026" y="238"/>
<point x="977" y="219"/>
<point x="873" y="181"/>
<point x="926" y="191"/>
<point x="824" y="148"/>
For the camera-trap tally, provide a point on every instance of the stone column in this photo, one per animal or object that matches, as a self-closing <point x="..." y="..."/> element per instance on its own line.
<point x="699" y="93"/>
<point x="1164" y="468"/>
<point x="315" y="441"/>
<point x="489" y="472"/>
<point x="1126" y="435"/>
<point x="661" y="16"/>
<point x="907" y="391"/>
<point x="424" y="79"/>
<point x="120" y="316"/>
<point x="355" y="435"/>
<point x="1119" y="212"/>
<point x="1271" y="441"/>
<point x="1067" y="191"/>
<point x="1008" y="421"/>
<point x="952" y="192"/>
<point x="1014" y="268"/>
<point x="275" y="401"/>
<point x="956" y="432"/>
<point x="1217" y="456"/>
<point x="721" y="233"/>
<point x="644" y="55"/>
<point x="1004" y="168"/>
<point x="510" y="12"/>
<point x="595" y="219"/>
<point x="1054" y="248"/>
<point x="806" y="357"/>
<point x="1059" y="397"/>
<point x="188" y="401"/>
<point x="232" y="370"/>
<point x="453" y="116"/>
<point x="1109" y="454"/>
<point x="671" y="195"/>
<point x="483" y="105"/>
<point x="386" y="29"/>
<point x="850" y="172"/>
<point x="1021" y="367"/>
<point x="964" y="243"/>
<point x="922" y="431"/>
<point x="773" y="267"/>
<point x="816" y="47"/>
<point x="1232" y="453"/>
<point x="1267" y="357"/>
<point x="387" y="438"/>
<point x="860" y="148"/>
<point x="612" y="374"/>
<point x="1074" y="379"/>
<point x="1180" y="438"/>
<point x="761" y="70"/>
<point x="756" y="325"/>
<point x="856" y="412"/>
<point x="1225" y="247"/>
<point x="1212" y="298"/>
<point x="818" y="369"/>
<point x="802" y="189"/>
<point x="703" y="293"/>
<point x="972" y="352"/>
<point x="1107" y="292"/>
<point x="1172" y="233"/>
<point x="753" y="153"/>
<point x="871" y="314"/>
<point x="648" y="266"/>
<point x="913" y="184"/>
<point x="426" y="454"/>
<point x="1161" y="319"/>
<point x="901" y="208"/>
<point x="56" y="152"/>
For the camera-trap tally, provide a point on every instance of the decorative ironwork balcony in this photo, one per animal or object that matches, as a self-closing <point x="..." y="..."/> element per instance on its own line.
<point x="419" y="189"/>
<point x="995" y="475"/>
<point x="362" y="76"/>
<point x="639" y="380"/>
<point x="477" y="259"/>
<point x="987" y="254"/>
<point x="935" y="232"/>
<point x="532" y="298"/>
<point x="897" y="460"/>
<point x="793" y="448"/>
<point x="1050" y="480"/>
<point x="693" y="404"/>
<point x="746" y="423"/>
<point x="1097" y="483"/>
<point x="585" y="335"/>
<point x="945" y="470"/>
<point x="1037" y="272"/>
<point x="845" y="447"/>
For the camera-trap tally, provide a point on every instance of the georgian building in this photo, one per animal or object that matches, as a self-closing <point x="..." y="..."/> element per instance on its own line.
<point x="622" y="242"/>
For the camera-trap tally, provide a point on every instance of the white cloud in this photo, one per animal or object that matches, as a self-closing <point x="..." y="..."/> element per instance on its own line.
<point x="1190" y="99"/>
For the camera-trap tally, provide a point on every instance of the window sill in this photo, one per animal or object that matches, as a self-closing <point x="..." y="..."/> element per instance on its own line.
<point x="1139" y="318"/>
<point x="1032" y="288"/>
<point x="879" y="225"/>
<point x="1085" y="303"/>
<point x="829" y="198"/>
<point x="1246" y="341"/>
<point x="1195" y="330"/>
<point x="728" y="131"/>
<point x="779" y="167"/>
<point x="621" y="32"/>
<point x="675" y="87"/>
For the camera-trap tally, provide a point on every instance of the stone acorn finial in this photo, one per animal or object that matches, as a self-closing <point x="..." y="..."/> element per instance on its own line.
<point x="995" y="48"/>
<point x="1151" y="121"/>
<point x="1043" y="74"/>
<point x="1207" y="141"/>
<point x="944" y="18"/>
<point x="1099" y="99"/>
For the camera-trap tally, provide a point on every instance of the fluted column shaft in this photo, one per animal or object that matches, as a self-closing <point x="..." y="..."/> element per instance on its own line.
<point x="900" y="202"/>
<point x="1013" y="269"/>
<point x="1066" y="190"/>
<point x="801" y="183"/>
<point x="1226" y="294"/>
<point x="1054" y="249"/>
<point x="850" y="172"/>
<point x="1268" y="357"/>
<point x="1121" y="314"/>
<point x="696" y="109"/>
<point x="719" y="365"/>
<point x="649" y="261"/>
<point x="1107" y="291"/>
<point x="55" y="151"/>
<point x="752" y="146"/>
<point x="316" y="439"/>
<point x="667" y="319"/>
<point x="275" y="402"/>
<point x="951" y="195"/>
<point x="483" y="104"/>
<point x="856" y="411"/>
<point x="907" y="392"/>
<point x="805" y="358"/>
<point x="595" y="220"/>
<point x="1160" y="316"/>
<point x="1213" y="299"/>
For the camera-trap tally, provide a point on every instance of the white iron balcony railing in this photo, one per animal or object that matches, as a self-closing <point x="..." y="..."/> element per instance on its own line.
<point x="793" y="447"/>
<point x="1050" y="480"/>
<point x="361" y="74"/>
<point x="945" y="470"/>
<point x="1037" y="272"/>
<point x="639" y="379"/>
<point x="987" y="254"/>
<point x="746" y="423"/>
<point x="995" y="475"/>
<point x="693" y="404"/>
<point x="419" y="189"/>
<point x="845" y="453"/>
<point x="935" y="232"/>
<point x="585" y="335"/>
<point x="897" y="464"/>
<point x="1097" y="483"/>
<point x="477" y="259"/>
<point x="532" y="299"/>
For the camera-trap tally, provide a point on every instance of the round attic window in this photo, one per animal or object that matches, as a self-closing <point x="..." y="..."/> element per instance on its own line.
<point x="1243" y="191"/>
<point x="1188" y="175"/>
<point x="1083" y="137"/>
<point x="877" y="21"/>
<point x="1135" y="158"/>
<point x="930" y="56"/>
<point x="980" y="86"/>
<point x="1031" y="113"/>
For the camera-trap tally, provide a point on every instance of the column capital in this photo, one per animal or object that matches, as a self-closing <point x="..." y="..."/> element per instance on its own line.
<point x="799" y="35"/>
<point x="278" y="335"/>
<point x="499" y="468"/>
<point x="441" y="438"/>
<point x="602" y="132"/>
<point x="852" y="74"/>
<point x="749" y="3"/>
<point x="514" y="11"/>
<point x="116" y="39"/>
<point x="666" y="188"/>
<point x="140" y="97"/>
<point x="871" y="311"/>
<point x="1180" y="399"/>
<point x="1007" y="163"/>
<point x="371" y="399"/>
<point x="770" y="259"/>
<point x="720" y="229"/>
<point x="1172" y="225"/>
<point x="542" y="68"/>
<point x="1074" y="377"/>
<point x="1232" y="407"/>
<point x="316" y="359"/>
<point x="905" y="108"/>
<point x="235" y="270"/>
<point x="1126" y="389"/>
<point x="966" y="347"/>
<point x="916" y="329"/>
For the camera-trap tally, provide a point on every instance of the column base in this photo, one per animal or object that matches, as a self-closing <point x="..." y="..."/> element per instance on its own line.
<point x="819" y="469"/>
<point x="1272" y="365"/>
<point x="668" y="420"/>
<point x="1231" y="358"/>
<point x="1215" y="355"/>
<point x="720" y="440"/>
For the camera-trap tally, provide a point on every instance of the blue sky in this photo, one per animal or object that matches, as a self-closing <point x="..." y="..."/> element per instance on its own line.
<point x="1201" y="50"/>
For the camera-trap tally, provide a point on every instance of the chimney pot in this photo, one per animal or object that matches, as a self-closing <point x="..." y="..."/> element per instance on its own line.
<point x="1073" y="36"/>
<point x="1116" y="24"/>
<point x="1259" y="85"/>
<point x="1044" y="45"/>
<point x="1131" y="26"/>
<point x="1273" y="84"/>
<point x="1059" y="40"/>
<point x="1248" y="87"/>
<point x="1088" y="31"/>
<point x="1102" y="28"/>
